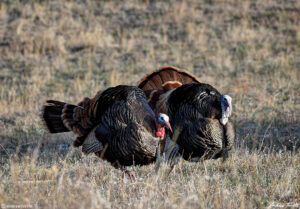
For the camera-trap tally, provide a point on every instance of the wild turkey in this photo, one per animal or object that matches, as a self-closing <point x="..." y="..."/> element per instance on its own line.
<point x="198" y="113"/>
<point x="117" y="125"/>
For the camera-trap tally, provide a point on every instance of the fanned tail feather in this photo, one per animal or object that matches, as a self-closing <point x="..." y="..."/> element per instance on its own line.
<point x="62" y="117"/>
<point x="165" y="79"/>
<point x="158" y="78"/>
<point x="51" y="116"/>
<point x="169" y="85"/>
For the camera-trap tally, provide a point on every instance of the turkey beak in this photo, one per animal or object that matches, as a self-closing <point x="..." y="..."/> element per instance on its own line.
<point x="168" y="126"/>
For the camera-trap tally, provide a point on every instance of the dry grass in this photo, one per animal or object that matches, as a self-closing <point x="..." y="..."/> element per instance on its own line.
<point x="66" y="50"/>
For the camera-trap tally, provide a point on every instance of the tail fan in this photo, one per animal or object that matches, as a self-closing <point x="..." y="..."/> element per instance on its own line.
<point x="163" y="80"/>
<point x="158" y="78"/>
<point x="51" y="116"/>
<point x="62" y="117"/>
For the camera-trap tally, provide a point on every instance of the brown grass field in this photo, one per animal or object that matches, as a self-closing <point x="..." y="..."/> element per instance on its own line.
<point x="67" y="50"/>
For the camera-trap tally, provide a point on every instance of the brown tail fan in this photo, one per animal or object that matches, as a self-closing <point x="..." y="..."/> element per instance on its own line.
<point x="163" y="80"/>
<point x="168" y="76"/>
<point x="62" y="117"/>
<point x="51" y="116"/>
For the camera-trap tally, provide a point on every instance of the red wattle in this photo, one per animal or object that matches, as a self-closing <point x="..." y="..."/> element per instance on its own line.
<point x="160" y="132"/>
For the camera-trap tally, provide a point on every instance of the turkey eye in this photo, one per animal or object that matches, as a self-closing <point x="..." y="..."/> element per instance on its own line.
<point x="161" y="118"/>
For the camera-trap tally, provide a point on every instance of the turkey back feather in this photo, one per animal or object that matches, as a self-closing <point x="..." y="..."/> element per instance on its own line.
<point x="202" y="138"/>
<point x="199" y="97"/>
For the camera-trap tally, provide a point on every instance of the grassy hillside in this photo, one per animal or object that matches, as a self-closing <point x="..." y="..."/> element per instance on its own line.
<point x="67" y="50"/>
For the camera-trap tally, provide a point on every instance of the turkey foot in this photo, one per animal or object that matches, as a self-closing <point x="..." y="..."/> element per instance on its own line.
<point x="129" y="173"/>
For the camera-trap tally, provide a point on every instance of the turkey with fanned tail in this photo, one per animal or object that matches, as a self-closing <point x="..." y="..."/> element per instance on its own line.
<point x="117" y="125"/>
<point x="198" y="113"/>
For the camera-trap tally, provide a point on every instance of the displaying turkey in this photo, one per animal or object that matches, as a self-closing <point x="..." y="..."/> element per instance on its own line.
<point x="117" y="125"/>
<point x="198" y="113"/>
